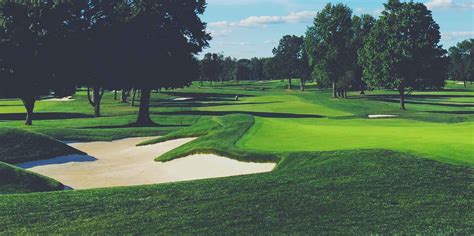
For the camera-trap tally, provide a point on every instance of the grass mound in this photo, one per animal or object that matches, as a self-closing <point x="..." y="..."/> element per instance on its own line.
<point x="20" y="145"/>
<point x="217" y="135"/>
<point x="17" y="180"/>
<point x="337" y="192"/>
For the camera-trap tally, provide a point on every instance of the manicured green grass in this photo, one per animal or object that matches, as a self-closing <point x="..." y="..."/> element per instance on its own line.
<point x="22" y="146"/>
<point x="451" y="143"/>
<point x="343" y="192"/>
<point x="17" y="180"/>
<point x="331" y="175"/>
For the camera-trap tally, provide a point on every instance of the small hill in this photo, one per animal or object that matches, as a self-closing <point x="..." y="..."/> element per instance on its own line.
<point x="18" y="145"/>
<point x="17" y="180"/>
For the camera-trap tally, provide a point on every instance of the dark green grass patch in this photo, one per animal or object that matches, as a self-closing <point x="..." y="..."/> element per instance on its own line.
<point x="20" y="145"/>
<point x="343" y="192"/>
<point x="17" y="180"/>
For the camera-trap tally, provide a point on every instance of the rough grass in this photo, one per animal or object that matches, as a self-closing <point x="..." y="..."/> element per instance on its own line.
<point x="217" y="135"/>
<point x="342" y="192"/>
<point x="20" y="145"/>
<point x="17" y="180"/>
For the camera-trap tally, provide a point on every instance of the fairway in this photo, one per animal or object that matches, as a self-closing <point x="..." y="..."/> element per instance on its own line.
<point x="450" y="143"/>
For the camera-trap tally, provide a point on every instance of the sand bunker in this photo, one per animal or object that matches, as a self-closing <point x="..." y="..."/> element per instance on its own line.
<point x="381" y="116"/>
<point x="65" y="99"/>
<point x="121" y="163"/>
<point x="182" y="99"/>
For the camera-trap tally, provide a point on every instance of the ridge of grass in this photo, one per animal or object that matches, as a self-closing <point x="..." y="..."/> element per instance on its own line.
<point x="17" y="180"/>
<point x="216" y="135"/>
<point x="337" y="192"/>
<point x="19" y="145"/>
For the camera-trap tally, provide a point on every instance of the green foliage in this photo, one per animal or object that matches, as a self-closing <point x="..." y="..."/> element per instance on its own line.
<point x="17" y="180"/>
<point x="402" y="51"/>
<point x="291" y="59"/>
<point x="462" y="61"/>
<point x="356" y="192"/>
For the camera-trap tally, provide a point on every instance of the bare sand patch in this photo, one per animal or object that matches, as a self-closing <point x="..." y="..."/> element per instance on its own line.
<point x="182" y="99"/>
<point x="64" y="99"/>
<point x="381" y="116"/>
<point x="121" y="163"/>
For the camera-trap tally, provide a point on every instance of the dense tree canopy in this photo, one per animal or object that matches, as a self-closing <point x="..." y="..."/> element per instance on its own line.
<point x="402" y="51"/>
<point x="462" y="61"/>
<point x="291" y="58"/>
<point x="328" y="45"/>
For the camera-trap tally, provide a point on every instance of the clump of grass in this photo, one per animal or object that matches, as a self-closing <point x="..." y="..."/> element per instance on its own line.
<point x="217" y="135"/>
<point x="17" y="180"/>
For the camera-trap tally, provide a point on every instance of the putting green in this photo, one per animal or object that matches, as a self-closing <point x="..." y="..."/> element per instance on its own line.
<point x="451" y="143"/>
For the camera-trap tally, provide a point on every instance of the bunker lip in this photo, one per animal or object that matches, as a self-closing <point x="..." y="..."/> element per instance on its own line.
<point x="121" y="163"/>
<point x="64" y="99"/>
<point x="183" y="99"/>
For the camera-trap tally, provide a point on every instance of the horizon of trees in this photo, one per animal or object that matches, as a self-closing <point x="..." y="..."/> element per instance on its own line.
<point x="136" y="46"/>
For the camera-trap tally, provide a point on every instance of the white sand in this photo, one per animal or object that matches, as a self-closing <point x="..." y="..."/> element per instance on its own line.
<point x="121" y="163"/>
<point x="381" y="116"/>
<point x="182" y="99"/>
<point x="65" y="99"/>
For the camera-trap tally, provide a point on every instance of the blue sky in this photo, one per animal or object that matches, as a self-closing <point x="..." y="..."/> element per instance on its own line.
<point x="252" y="28"/>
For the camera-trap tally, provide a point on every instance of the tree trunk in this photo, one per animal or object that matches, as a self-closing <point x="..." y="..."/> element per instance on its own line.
<point x="465" y="84"/>
<point x="134" y="95"/>
<point x="402" y="99"/>
<point x="95" y="99"/>
<point x="144" y="111"/>
<point x="302" y="85"/>
<point x="29" y="103"/>
<point x="289" y="84"/>
<point x="334" y="95"/>
<point x="125" y="95"/>
<point x="115" y="95"/>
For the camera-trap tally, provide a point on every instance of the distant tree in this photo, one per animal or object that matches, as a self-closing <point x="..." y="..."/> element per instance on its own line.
<point x="462" y="61"/>
<point x="244" y="70"/>
<point x="328" y="45"/>
<point x="271" y="69"/>
<point x="362" y="26"/>
<point x="229" y="69"/>
<point x="28" y="33"/>
<point x="212" y="64"/>
<point x="291" y="58"/>
<point x="402" y="51"/>
<point x="257" y="68"/>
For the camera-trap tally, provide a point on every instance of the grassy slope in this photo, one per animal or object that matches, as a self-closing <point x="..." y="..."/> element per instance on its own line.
<point x="17" y="180"/>
<point x="332" y="192"/>
<point x="20" y="145"/>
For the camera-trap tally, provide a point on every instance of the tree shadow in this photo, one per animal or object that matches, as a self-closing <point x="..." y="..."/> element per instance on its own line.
<point x="453" y="112"/>
<point x="426" y="103"/>
<point x="199" y="104"/>
<point x="420" y="96"/>
<point x="58" y="161"/>
<point x="44" y="116"/>
<point x="134" y="125"/>
<point x="223" y="113"/>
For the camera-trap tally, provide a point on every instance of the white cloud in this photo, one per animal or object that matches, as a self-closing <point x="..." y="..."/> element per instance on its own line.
<point x="438" y="4"/>
<point x="222" y="28"/>
<point x="457" y="35"/>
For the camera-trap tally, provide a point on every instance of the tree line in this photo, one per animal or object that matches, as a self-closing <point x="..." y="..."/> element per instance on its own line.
<point x="59" y="45"/>
<point x="398" y="51"/>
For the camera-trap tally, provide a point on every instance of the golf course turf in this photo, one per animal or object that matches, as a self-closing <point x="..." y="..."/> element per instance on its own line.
<point x="338" y="171"/>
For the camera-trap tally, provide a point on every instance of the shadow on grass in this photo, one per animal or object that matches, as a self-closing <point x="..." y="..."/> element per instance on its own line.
<point x="135" y="125"/>
<point x="58" y="160"/>
<point x="199" y="104"/>
<point x="224" y="113"/>
<point x="44" y="116"/>
<point x="453" y="112"/>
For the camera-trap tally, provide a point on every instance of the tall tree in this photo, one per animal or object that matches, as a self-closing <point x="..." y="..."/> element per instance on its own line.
<point x="328" y="45"/>
<point x="229" y="69"/>
<point x="362" y="26"/>
<point x="291" y="57"/>
<point x="164" y="37"/>
<point x="244" y="70"/>
<point x="28" y="33"/>
<point x="462" y="61"/>
<point x="402" y="51"/>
